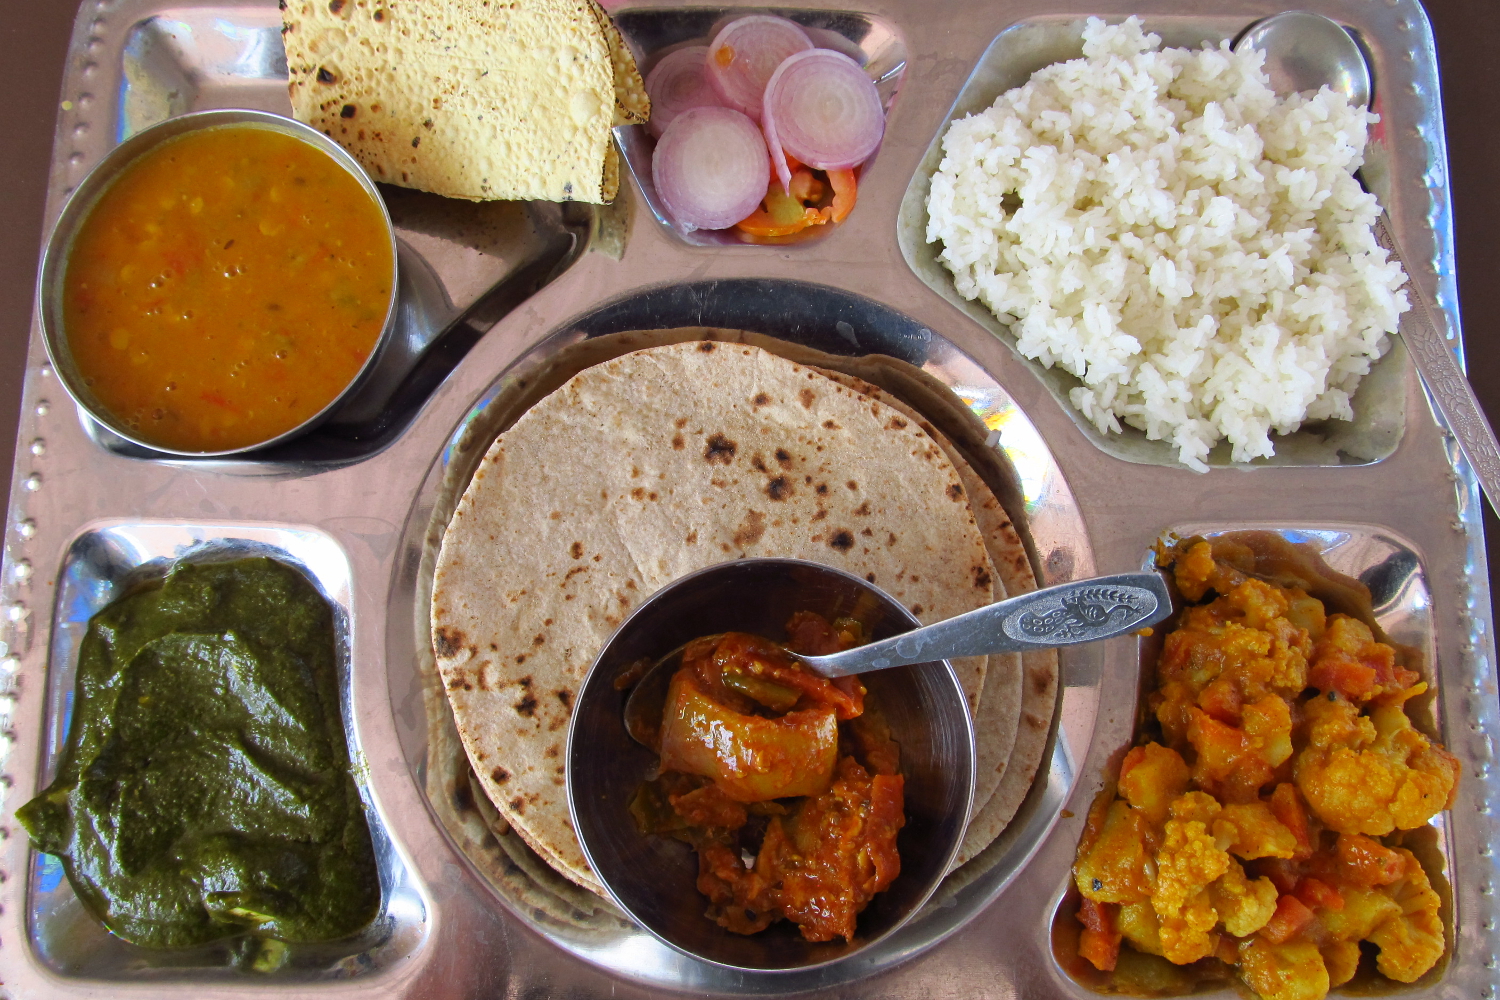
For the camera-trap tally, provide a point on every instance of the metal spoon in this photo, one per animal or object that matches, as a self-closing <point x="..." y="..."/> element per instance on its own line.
<point x="1064" y="615"/>
<point x="1305" y="51"/>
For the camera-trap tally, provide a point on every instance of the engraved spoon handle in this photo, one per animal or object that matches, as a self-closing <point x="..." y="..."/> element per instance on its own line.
<point x="1447" y="387"/>
<point x="1065" y="615"/>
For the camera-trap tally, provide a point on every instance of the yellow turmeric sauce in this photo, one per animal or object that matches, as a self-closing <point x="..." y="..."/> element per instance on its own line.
<point x="1257" y="827"/>
<point x="226" y="288"/>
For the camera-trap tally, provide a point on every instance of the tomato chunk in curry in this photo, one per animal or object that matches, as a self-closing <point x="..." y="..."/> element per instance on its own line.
<point x="785" y="785"/>
<point x="1256" y="828"/>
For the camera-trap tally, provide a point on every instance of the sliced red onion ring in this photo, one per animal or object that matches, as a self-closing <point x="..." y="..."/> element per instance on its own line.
<point x="710" y="168"/>
<point x="679" y="83"/>
<point x="822" y="108"/>
<point x="745" y="53"/>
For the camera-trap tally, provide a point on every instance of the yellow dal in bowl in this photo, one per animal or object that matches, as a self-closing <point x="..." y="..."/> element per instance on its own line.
<point x="226" y="288"/>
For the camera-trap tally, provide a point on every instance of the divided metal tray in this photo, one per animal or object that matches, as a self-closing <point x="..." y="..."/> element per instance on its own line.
<point x="490" y="292"/>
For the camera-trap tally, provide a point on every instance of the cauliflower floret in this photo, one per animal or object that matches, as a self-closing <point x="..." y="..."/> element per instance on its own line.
<point x="1342" y="960"/>
<point x="1251" y="830"/>
<point x="1290" y="971"/>
<point x="1410" y="942"/>
<point x="1187" y="862"/>
<point x="1371" y="775"/>
<point x="1243" y="905"/>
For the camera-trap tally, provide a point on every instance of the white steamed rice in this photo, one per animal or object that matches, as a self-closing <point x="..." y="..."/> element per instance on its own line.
<point x="1161" y="225"/>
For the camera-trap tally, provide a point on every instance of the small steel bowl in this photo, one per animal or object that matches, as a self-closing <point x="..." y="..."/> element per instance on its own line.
<point x="81" y="203"/>
<point x="652" y="878"/>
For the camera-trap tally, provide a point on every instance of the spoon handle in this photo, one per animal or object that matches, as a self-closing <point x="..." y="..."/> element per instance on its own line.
<point x="1449" y="390"/>
<point x="1064" y="615"/>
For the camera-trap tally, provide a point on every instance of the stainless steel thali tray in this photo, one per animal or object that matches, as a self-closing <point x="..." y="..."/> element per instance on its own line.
<point x="491" y="293"/>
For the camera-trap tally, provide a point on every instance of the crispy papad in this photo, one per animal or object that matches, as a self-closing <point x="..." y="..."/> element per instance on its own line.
<point x="638" y="471"/>
<point x="466" y="98"/>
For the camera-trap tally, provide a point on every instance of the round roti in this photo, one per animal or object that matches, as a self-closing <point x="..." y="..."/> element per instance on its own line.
<point x="641" y="470"/>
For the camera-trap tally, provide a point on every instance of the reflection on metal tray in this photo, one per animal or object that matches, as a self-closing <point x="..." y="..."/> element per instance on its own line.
<point x="103" y="563"/>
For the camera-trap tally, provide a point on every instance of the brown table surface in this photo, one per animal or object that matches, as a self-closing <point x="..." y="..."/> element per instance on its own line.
<point x="34" y="41"/>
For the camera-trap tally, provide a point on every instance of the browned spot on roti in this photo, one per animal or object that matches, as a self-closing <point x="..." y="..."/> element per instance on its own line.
<point x="518" y="804"/>
<point x="547" y="621"/>
<point x="751" y="529"/>
<point x="831" y="425"/>
<point x="577" y="550"/>
<point x="638" y="494"/>
<point x="842" y="540"/>
<point x="867" y="533"/>
<point x="1034" y="721"/>
<point x="526" y="706"/>
<point x="692" y="537"/>
<point x="720" y="450"/>
<point x="706" y="347"/>
<point x="869" y="577"/>
<point x="680" y="423"/>
<point x="981" y="578"/>
<point x="807" y="396"/>
<point x="538" y="639"/>
<point x="916" y="609"/>
<point x="550" y="751"/>
<point x="525" y="682"/>
<point x="863" y="510"/>
<point x="852" y="485"/>
<point x="499" y="775"/>
<point x="574" y="571"/>
<point x="447" y="642"/>
<point x="955" y="491"/>
<point x="1041" y="679"/>
<point x="677" y="442"/>
<point x="761" y="399"/>
<point x="779" y="488"/>
<point x="783" y="458"/>
<point x="556" y="515"/>
<point x="521" y="658"/>
<point x="890" y="538"/>
<point x="822" y="513"/>
<point x="758" y="463"/>
<point x="822" y="489"/>
<point x="566" y="697"/>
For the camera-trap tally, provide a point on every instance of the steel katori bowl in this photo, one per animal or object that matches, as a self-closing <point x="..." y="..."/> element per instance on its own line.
<point x="81" y="203"/>
<point x="652" y="878"/>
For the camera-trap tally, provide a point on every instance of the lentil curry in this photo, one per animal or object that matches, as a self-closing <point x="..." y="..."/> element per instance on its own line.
<point x="1258" y="825"/>
<point x="226" y="288"/>
<point x="787" y="787"/>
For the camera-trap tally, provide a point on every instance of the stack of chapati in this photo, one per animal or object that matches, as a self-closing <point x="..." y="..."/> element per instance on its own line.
<point x="657" y="463"/>
<point x="467" y="98"/>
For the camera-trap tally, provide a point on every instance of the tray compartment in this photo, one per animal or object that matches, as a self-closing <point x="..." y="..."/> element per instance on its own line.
<point x="876" y="43"/>
<point x="803" y="315"/>
<point x="461" y="267"/>
<point x="1401" y="600"/>
<point x="103" y="560"/>
<point x="1020" y="50"/>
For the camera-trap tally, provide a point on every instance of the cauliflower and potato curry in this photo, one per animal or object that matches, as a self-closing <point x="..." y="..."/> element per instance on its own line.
<point x="1257" y="831"/>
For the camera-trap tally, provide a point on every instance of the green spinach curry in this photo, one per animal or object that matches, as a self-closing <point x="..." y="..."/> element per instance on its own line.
<point x="205" y="789"/>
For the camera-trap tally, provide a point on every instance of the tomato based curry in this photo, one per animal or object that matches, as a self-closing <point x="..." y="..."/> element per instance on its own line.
<point x="785" y="784"/>
<point x="225" y="288"/>
<point x="1258" y="827"/>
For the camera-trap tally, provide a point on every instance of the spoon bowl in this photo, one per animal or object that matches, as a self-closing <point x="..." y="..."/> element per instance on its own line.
<point x="1306" y="51"/>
